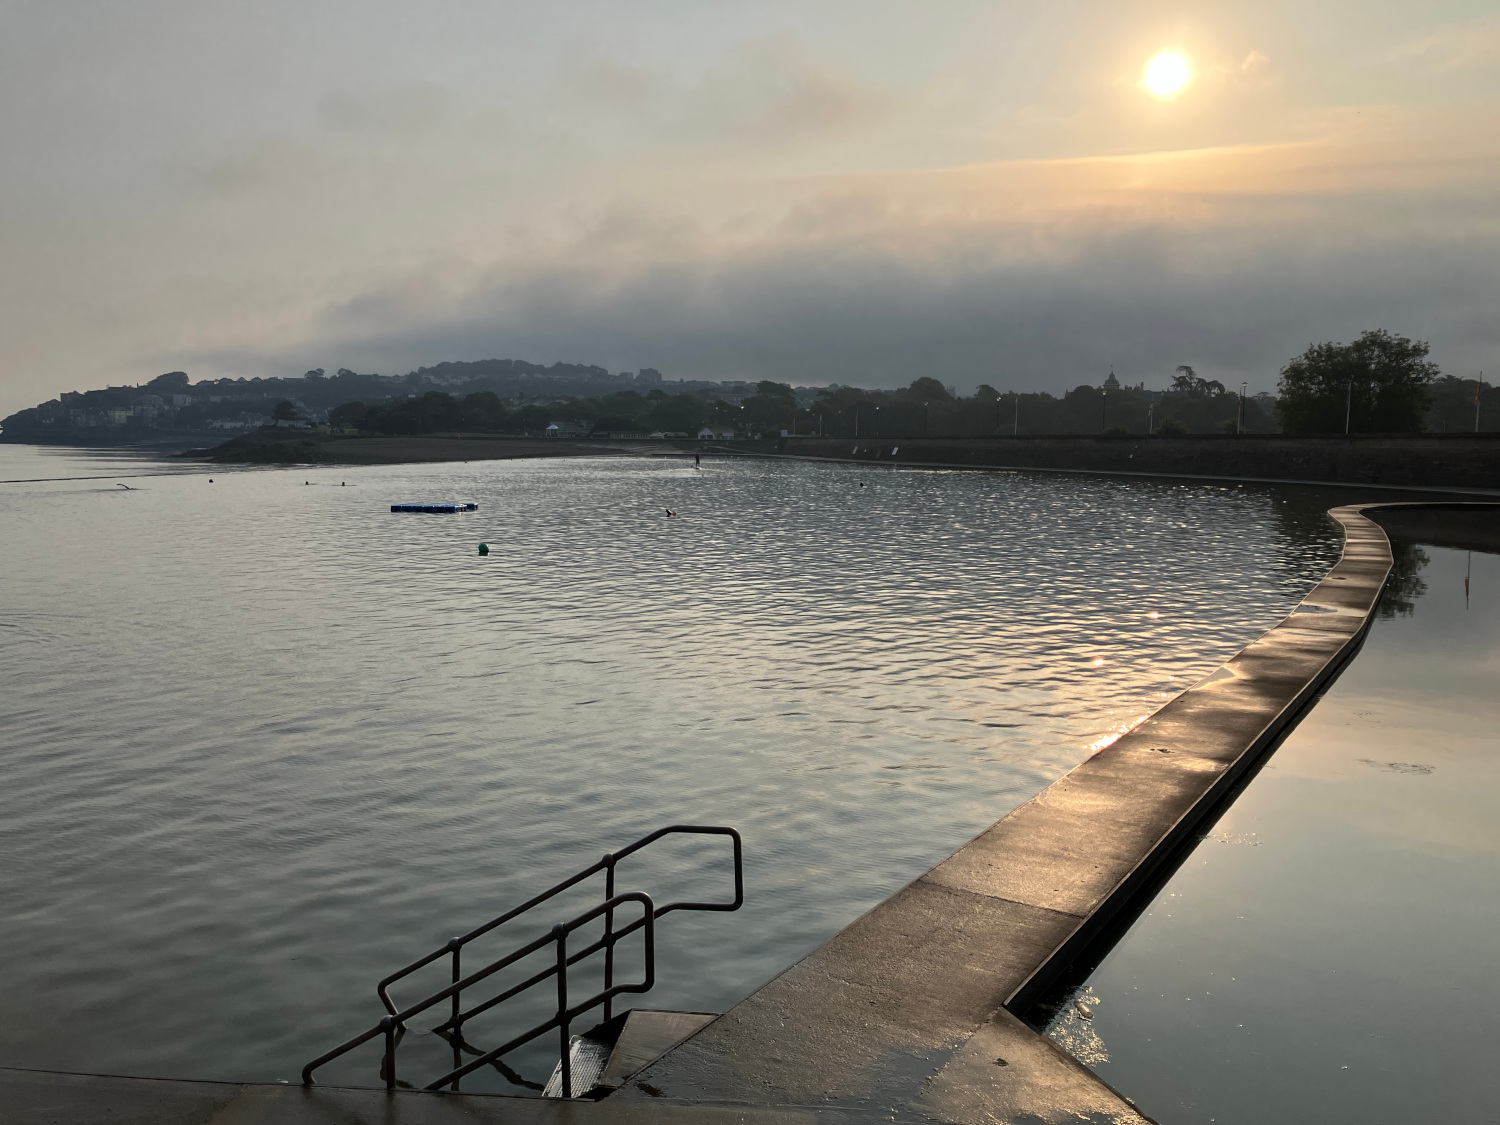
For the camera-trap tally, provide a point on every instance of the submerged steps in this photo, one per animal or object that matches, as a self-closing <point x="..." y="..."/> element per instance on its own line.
<point x="604" y="1058"/>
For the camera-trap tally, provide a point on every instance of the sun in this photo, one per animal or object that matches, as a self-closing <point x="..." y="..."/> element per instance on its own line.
<point x="1167" y="74"/>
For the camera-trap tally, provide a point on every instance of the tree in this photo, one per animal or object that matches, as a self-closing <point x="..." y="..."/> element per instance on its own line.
<point x="284" y="411"/>
<point x="926" y="389"/>
<point x="767" y="389"/>
<point x="482" y="410"/>
<point x="677" y="413"/>
<point x="617" y="423"/>
<point x="173" y="382"/>
<point x="1453" y="405"/>
<point x="348" y="416"/>
<point x="1380" y="383"/>
<point x="1188" y="382"/>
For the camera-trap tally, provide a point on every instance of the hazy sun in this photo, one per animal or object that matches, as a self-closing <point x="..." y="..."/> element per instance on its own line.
<point x="1167" y="74"/>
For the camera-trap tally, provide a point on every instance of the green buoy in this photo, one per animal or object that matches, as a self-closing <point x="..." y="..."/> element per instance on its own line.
<point x="484" y="548"/>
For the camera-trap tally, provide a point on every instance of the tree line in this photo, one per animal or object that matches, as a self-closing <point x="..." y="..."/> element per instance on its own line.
<point x="1380" y="383"/>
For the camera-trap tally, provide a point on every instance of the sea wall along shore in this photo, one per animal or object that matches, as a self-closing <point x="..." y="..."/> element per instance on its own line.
<point x="1448" y="461"/>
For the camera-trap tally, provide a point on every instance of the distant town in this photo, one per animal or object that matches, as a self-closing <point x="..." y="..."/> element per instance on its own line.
<point x="507" y="396"/>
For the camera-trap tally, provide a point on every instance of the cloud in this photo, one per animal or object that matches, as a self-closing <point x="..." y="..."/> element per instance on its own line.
<point x="1035" y="274"/>
<point x="775" y="90"/>
<point x="404" y="112"/>
<point x="269" y="160"/>
<point x="612" y="85"/>
<point x="1454" y="46"/>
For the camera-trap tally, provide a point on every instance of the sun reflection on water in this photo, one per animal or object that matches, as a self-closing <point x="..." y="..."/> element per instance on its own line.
<point x="1114" y="734"/>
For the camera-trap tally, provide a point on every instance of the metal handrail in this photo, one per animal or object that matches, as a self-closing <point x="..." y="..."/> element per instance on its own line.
<point x="607" y="865"/>
<point x="396" y="1019"/>
<point x="566" y="1013"/>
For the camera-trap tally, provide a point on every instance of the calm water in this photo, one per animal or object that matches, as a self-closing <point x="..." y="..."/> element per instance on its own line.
<point x="1328" y="953"/>
<point x="266" y="741"/>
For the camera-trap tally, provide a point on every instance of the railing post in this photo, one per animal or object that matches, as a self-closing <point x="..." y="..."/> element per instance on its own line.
<point x="455" y="945"/>
<point x="565" y="1057"/>
<point x="389" y="1025"/>
<point x="393" y="1029"/>
<point x="609" y="929"/>
<point x="456" y="1028"/>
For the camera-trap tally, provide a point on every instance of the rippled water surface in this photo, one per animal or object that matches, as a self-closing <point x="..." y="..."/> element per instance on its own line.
<point x="266" y="740"/>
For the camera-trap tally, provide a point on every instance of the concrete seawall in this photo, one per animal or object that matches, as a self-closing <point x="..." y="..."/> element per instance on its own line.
<point x="1446" y="461"/>
<point x="913" y="1010"/>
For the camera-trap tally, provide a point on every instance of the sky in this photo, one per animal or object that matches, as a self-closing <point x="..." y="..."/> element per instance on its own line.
<point x="856" y="192"/>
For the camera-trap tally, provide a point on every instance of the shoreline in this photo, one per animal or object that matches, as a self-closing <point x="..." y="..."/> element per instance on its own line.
<point x="1428" y="462"/>
<point x="303" y="447"/>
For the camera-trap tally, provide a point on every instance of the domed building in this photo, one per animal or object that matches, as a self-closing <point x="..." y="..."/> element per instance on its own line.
<point x="1111" y="384"/>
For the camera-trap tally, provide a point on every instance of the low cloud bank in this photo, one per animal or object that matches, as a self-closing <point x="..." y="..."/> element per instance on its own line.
<point x="865" y="287"/>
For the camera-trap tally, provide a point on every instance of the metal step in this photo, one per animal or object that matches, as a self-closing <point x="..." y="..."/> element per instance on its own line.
<point x="605" y="1056"/>
<point x="587" y="1056"/>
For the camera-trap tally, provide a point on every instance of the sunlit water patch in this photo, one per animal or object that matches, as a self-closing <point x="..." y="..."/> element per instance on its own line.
<point x="266" y="740"/>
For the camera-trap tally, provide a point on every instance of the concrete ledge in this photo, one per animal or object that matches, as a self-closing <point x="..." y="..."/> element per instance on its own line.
<point x="912" y="1010"/>
<point x="39" y="1097"/>
<point x="1457" y="526"/>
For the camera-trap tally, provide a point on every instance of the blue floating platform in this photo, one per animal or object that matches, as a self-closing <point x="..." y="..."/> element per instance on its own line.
<point x="435" y="508"/>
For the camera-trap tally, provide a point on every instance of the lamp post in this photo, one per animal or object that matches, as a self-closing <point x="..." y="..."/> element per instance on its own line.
<point x="1348" y="406"/>
<point x="1103" y="411"/>
<point x="1151" y="416"/>
<point x="1239" y="426"/>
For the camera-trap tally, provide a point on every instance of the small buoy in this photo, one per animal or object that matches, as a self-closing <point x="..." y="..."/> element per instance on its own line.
<point x="210" y="480"/>
<point x="484" y="548"/>
<point x="307" y="482"/>
<point x="341" y="484"/>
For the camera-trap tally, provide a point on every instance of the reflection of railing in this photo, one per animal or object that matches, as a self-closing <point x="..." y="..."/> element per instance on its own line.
<point x="393" y="1026"/>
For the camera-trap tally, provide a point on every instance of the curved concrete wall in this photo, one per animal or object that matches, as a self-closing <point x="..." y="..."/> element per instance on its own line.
<point x="910" y="1009"/>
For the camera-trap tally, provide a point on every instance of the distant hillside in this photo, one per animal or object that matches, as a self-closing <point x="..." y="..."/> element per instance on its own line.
<point x="518" y="397"/>
<point x="172" y="406"/>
